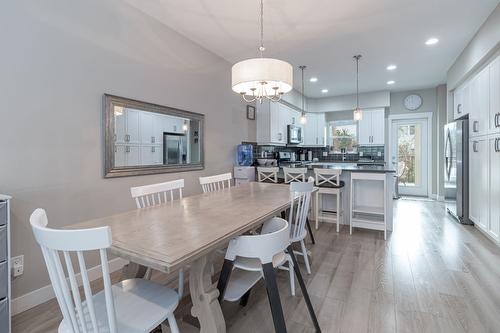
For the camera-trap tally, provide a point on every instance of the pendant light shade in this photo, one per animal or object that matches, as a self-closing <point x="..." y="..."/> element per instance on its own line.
<point x="357" y="113"/>
<point x="262" y="78"/>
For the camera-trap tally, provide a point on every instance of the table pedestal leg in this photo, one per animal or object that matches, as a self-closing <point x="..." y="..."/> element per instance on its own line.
<point x="204" y="295"/>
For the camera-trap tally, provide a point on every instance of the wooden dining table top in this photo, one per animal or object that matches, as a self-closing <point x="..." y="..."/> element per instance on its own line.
<point x="171" y="235"/>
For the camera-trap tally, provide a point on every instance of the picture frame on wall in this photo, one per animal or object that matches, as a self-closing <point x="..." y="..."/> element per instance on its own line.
<point x="251" y="112"/>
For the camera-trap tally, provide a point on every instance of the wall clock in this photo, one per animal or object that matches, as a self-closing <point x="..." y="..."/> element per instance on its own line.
<point x="412" y="102"/>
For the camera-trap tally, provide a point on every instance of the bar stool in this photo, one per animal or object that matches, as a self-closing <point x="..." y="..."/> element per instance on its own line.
<point x="267" y="174"/>
<point x="294" y="174"/>
<point x="328" y="181"/>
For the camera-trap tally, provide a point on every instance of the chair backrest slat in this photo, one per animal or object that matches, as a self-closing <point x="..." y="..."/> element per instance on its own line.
<point x="294" y="174"/>
<point x="216" y="183"/>
<point x="156" y="194"/>
<point x="267" y="173"/>
<point x="53" y="242"/>
<point x="300" y="201"/>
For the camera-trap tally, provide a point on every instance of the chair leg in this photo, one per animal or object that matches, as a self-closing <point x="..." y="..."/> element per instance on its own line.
<point x="302" y="285"/>
<point x="306" y="259"/>
<point x="148" y="274"/>
<point x="245" y="297"/>
<point x="309" y="229"/>
<point x="338" y="210"/>
<point x="292" y="277"/>
<point x="316" y="208"/>
<point x="180" y="289"/>
<point x="274" y="298"/>
<point x="172" y="323"/>
<point x="225" y="273"/>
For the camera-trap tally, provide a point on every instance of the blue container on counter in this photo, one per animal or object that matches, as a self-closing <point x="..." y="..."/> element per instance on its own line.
<point x="244" y="155"/>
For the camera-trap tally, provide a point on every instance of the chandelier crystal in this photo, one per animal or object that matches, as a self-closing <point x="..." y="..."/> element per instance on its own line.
<point x="357" y="113"/>
<point x="261" y="78"/>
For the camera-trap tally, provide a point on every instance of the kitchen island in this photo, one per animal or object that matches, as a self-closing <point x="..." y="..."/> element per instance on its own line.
<point x="371" y="186"/>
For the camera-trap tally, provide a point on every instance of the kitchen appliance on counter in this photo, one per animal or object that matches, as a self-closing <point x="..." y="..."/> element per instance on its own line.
<point x="244" y="155"/>
<point x="456" y="169"/>
<point x="174" y="148"/>
<point x="285" y="156"/>
<point x="294" y="134"/>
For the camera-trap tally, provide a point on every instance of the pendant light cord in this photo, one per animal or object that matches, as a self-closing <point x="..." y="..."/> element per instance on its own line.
<point x="357" y="57"/>
<point x="261" y="48"/>
<point x="303" y="67"/>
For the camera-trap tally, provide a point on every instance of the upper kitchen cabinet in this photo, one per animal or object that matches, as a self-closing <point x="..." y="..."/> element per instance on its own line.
<point x="314" y="130"/>
<point x="127" y="126"/>
<point x="494" y="116"/>
<point x="272" y="121"/>
<point x="372" y="127"/>
<point x="479" y="103"/>
<point x="461" y="101"/>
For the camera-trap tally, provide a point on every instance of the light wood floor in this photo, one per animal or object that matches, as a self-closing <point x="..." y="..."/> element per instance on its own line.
<point x="431" y="275"/>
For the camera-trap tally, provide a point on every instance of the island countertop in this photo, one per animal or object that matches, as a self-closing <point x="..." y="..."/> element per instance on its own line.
<point x="351" y="167"/>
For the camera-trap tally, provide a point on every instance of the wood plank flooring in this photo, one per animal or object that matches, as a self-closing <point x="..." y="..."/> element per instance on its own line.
<point x="431" y="275"/>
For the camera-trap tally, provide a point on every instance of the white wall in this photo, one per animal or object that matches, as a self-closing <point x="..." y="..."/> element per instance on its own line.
<point x="57" y="62"/>
<point x="378" y="99"/>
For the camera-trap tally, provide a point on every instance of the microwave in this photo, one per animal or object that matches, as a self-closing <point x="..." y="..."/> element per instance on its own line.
<point x="294" y="134"/>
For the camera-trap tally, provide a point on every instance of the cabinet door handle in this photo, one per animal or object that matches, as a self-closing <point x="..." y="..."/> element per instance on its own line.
<point x="475" y="124"/>
<point x="497" y="118"/>
<point x="474" y="147"/>
<point x="152" y="149"/>
<point x="116" y="149"/>
<point x="497" y="145"/>
<point x="459" y="108"/>
<point x="175" y="128"/>
<point x="127" y="149"/>
<point x="152" y="139"/>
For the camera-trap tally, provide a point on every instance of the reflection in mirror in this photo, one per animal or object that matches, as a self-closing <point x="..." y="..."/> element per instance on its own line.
<point x="146" y="135"/>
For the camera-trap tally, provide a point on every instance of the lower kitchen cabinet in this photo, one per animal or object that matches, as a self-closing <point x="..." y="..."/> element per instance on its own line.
<point x="478" y="182"/>
<point x="494" y="193"/>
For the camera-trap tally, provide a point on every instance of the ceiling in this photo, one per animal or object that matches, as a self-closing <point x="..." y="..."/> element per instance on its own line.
<point x="325" y="34"/>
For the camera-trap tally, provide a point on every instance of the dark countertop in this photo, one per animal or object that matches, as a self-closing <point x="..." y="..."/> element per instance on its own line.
<point x="350" y="167"/>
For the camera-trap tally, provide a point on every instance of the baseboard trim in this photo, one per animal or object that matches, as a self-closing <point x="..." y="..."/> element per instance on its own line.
<point x="44" y="294"/>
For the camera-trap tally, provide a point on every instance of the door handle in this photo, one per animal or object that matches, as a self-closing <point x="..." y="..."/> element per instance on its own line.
<point x="474" y="147"/>
<point x="474" y="126"/>
<point x="459" y="108"/>
<point x="127" y="149"/>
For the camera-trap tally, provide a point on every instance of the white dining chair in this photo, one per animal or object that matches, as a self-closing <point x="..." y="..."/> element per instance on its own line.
<point x="267" y="174"/>
<point x="216" y="183"/>
<point x="253" y="257"/>
<point x="294" y="174"/>
<point x="300" y="204"/>
<point x="328" y="182"/>
<point x="157" y="194"/>
<point x="130" y="306"/>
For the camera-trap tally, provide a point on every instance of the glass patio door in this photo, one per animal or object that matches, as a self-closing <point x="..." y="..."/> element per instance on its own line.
<point x="410" y="155"/>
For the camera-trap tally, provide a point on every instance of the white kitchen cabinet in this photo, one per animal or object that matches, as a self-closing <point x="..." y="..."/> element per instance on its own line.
<point x="132" y="125"/>
<point x="494" y="116"/>
<point x="151" y="155"/>
<point x="479" y="182"/>
<point x="120" y="127"/>
<point x="272" y="121"/>
<point x="371" y="128"/>
<point x="146" y="125"/>
<point x="479" y="111"/>
<point x="120" y="159"/>
<point x="127" y="155"/>
<point x="173" y="124"/>
<point x="314" y="130"/>
<point x="158" y="124"/>
<point x="458" y="103"/>
<point x="494" y="190"/>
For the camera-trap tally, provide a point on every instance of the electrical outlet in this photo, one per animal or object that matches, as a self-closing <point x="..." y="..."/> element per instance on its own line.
<point x="17" y="265"/>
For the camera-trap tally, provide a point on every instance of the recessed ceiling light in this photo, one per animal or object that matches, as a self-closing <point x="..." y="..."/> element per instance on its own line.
<point x="391" y="82"/>
<point x="391" y="67"/>
<point x="431" y="41"/>
<point x="324" y="91"/>
<point x="313" y="79"/>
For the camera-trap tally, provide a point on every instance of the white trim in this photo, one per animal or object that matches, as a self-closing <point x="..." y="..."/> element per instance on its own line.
<point x="44" y="294"/>
<point x="430" y="157"/>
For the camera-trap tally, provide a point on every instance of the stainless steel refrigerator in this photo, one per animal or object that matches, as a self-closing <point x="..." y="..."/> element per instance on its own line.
<point x="456" y="169"/>
<point x="174" y="148"/>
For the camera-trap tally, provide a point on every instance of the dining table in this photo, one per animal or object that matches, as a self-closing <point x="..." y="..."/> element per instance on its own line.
<point x="188" y="231"/>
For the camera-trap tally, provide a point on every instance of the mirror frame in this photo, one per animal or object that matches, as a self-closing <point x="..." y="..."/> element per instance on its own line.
<point x="110" y="171"/>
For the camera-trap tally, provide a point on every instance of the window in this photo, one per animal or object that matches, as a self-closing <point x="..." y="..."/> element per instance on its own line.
<point x="342" y="135"/>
